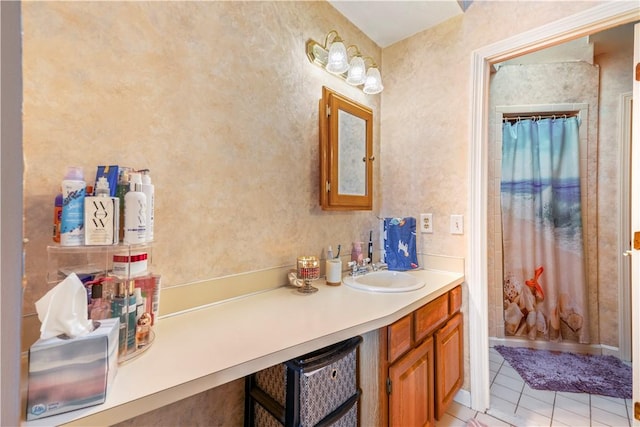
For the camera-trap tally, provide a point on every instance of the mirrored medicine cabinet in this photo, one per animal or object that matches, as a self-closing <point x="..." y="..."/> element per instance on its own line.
<point x="346" y="153"/>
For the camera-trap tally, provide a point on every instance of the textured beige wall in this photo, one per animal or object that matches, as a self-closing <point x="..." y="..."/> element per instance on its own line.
<point x="615" y="79"/>
<point x="217" y="99"/>
<point x="188" y="90"/>
<point x="219" y="407"/>
<point x="426" y="104"/>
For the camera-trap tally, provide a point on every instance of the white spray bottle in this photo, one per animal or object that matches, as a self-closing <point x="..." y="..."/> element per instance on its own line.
<point x="148" y="190"/>
<point x="135" y="212"/>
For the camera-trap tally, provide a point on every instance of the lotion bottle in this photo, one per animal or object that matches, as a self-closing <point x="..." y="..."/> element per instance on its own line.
<point x="148" y="190"/>
<point x="135" y="212"/>
<point x="72" y="217"/>
<point x="356" y="252"/>
<point x="101" y="216"/>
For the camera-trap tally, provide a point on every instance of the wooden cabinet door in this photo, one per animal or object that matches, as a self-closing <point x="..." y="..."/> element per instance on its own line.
<point x="411" y="400"/>
<point x="449" y="363"/>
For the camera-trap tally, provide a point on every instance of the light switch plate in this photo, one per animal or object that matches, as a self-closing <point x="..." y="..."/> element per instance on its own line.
<point x="457" y="224"/>
<point x="426" y="223"/>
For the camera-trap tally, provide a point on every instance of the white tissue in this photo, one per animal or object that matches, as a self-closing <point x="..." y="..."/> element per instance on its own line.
<point x="63" y="310"/>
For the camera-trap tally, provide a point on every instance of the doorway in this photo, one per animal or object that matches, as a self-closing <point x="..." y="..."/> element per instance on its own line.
<point x="585" y="75"/>
<point x="592" y="21"/>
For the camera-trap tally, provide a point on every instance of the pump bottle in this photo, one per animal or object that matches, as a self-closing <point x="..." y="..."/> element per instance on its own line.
<point x="148" y="190"/>
<point x="135" y="212"/>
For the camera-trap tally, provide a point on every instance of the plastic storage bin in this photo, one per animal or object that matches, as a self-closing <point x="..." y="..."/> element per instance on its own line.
<point x="122" y="264"/>
<point x="317" y="389"/>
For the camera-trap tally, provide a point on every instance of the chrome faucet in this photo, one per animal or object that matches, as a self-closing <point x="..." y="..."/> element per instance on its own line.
<point x="379" y="266"/>
<point x="359" y="269"/>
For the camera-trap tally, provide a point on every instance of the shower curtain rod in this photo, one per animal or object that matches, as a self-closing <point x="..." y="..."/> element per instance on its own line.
<point x="511" y="117"/>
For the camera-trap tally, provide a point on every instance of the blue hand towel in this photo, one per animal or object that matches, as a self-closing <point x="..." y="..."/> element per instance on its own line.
<point x="400" y="243"/>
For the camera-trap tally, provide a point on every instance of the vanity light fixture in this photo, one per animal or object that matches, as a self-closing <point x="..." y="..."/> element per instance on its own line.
<point x="357" y="69"/>
<point x="334" y="58"/>
<point x="373" y="81"/>
<point x="337" y="61"/>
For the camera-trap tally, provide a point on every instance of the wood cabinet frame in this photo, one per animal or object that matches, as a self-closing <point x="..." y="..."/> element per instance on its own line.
<point x="428" y="342"/>
<point x="331" y="104"/>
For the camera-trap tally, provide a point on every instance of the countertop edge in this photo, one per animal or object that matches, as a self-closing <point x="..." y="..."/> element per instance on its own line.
<point x="112" y="412"/>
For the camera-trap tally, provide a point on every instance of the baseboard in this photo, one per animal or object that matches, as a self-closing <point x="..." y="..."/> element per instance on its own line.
<point x="463" y="397"/>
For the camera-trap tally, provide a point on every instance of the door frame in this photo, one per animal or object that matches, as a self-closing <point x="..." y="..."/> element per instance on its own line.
<point x="635" y="222"/>
<point x="598" y="18"/>
<point x="11" y="210"/>
<point x="624" y="196"/>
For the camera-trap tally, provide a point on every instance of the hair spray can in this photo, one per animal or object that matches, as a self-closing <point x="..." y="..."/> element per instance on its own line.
<point x="72" y="218"/>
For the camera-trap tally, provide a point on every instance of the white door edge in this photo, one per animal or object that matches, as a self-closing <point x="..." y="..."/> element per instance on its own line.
<point x="635" y="220"/>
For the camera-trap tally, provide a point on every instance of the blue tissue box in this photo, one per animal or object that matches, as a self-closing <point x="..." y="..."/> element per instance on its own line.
<point x="72" y="373"/>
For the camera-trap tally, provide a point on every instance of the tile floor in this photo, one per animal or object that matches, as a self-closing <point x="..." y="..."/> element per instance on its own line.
<point x="513" y="403"/>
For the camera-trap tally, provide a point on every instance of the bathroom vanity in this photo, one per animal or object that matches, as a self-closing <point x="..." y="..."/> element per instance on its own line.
<point x="422" y="362"/>
<point x="210" y="345"/>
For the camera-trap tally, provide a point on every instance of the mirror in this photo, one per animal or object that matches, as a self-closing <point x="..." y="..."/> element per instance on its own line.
<point x="346" y="153"/>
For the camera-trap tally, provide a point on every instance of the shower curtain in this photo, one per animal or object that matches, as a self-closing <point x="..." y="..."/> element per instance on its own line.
<point x="545" y="291"/>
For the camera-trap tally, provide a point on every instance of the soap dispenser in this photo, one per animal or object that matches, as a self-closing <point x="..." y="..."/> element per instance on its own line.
<point x="356" y="252"/>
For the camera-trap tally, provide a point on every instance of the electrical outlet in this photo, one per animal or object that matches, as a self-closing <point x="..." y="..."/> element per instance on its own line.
<point x="457" y="224"/>
<point x="426" y="223"/>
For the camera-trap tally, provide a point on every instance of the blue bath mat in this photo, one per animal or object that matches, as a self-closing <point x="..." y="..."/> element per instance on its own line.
<point x="577" y="373"/>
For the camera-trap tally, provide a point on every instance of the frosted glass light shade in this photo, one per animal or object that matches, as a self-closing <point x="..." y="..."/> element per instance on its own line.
<point x="337" y="59"/>
<point x="373" y="82"/>
<point x="356" y="75"/>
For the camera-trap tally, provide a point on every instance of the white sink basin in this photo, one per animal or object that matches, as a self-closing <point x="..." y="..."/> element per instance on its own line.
<point x="384" y="281"/>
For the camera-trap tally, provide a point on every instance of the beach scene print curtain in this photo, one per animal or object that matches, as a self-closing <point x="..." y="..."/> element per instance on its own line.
<point x="545" y="290"/>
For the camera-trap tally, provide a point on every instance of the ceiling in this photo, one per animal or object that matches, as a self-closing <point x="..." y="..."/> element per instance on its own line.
<point x="388" y="22"/>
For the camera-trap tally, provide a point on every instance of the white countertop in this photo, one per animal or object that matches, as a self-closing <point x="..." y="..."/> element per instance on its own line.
<point x="210" y="346"/>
